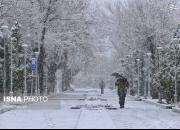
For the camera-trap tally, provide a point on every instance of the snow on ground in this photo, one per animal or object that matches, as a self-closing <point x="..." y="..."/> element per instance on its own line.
<point x="94" y="115"/>
<point x="95" y="119"/>
<point x="140" y="115"/>
<point x="64" y="118"/>
<point x="135" y="115"/>
<point x="39" y="119"/>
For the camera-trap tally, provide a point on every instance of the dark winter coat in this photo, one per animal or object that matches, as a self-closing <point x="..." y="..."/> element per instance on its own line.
<point x="122" y="85"/>
<point x="102" y="85"/>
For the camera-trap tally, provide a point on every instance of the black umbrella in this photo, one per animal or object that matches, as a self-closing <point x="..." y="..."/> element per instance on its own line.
<point x="115" y="74"/>
<point x="118" y="76"/>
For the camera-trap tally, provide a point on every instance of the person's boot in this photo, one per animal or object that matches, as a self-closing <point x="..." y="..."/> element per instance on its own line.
<point x="121" y="107"/>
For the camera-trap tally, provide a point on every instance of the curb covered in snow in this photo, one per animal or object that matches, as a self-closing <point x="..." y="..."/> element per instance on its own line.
<point x="135" y="98"/>
<point x="21" y="104"/>
<point x="6" y="109"/>
<point x="176" y="109"/>
<point x="164" y="106"/>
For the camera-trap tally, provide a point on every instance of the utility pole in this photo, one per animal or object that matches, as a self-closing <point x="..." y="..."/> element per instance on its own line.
<point x="4" y="68"/>
<point x="149" y="83"/>
<point x="5" y="33"/>
<point x="159" y="92"/>
<point x="138" y="91"/>
<point x="33" y="74"/>
<point x="176" y="46"/>
<point x="36" y="89"/>
<point x="176" y="95"/>
<point x="11" y="87"/>
<point x="25" y="69"/>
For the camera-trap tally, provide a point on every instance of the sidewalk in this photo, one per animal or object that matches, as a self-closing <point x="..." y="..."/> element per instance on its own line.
<point x="176" y="109"/>
<point x="155" y="102"/>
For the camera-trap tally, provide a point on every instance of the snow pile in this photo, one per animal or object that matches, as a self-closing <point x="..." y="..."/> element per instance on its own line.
<point x="5" y="108"/>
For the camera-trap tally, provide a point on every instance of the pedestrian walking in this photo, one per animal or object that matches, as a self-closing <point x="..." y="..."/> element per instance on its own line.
<point x="102" y="86"/>
<point x="122" y="87"/>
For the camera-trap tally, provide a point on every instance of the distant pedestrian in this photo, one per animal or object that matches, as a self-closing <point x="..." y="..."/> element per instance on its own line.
<point x="122" y="85"/>
<point x="102" y="86"/>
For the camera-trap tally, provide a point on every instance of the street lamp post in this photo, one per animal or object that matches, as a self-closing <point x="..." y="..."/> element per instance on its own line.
<point x="11" y="90"/>
<point x="133" y="69"/>
<point x="32" y="84"/>
<point x="133" y="75"/>
<point x="175" y="95"/>
<point x="128" y="66"/>
<point x="25" y="69"/>
<point x="159" y="92"/>
<point x="145" y="82"/>
<point x="175" y="71"/>
<point x="5" y="33"/>
<point x="46" y="89"/>
<point x="4" y="68"/>
<point x="3" y="48"/>
<point x="131" y="78"/>
<point x="138" y="60"/>
<point x="37" y="86"/>
<point x="149" y="83"/>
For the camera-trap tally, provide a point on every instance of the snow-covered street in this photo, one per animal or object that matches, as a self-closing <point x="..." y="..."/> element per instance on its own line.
<point x="89" y="64"/>
<point x="135" y="115"/>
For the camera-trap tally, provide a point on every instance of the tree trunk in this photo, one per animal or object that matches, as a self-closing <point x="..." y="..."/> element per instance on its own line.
<point x="41" y="62"/>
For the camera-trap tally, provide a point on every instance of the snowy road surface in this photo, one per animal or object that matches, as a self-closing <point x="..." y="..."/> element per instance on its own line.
<point x="139" y="115"/>
<point x="135" y="115"/>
